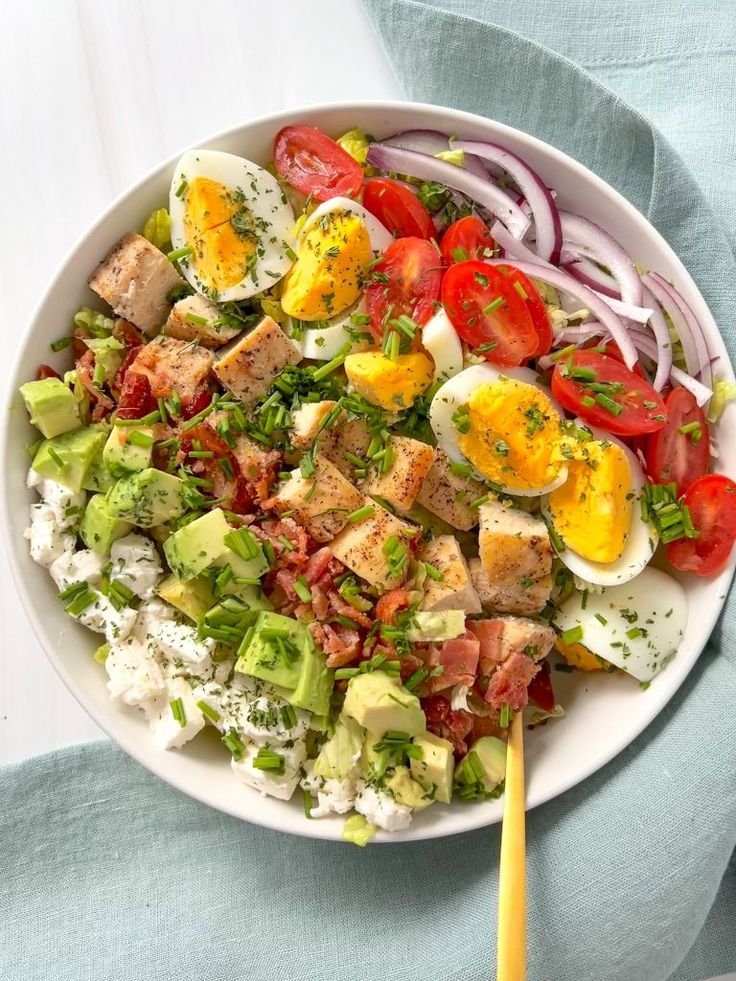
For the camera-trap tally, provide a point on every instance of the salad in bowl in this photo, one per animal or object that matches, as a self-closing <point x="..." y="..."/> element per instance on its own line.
<point x="353" y="444"/>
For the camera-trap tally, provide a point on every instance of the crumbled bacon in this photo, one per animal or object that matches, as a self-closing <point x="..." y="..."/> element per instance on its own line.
<point x="135" y="399"/>
<point x="341" y="644"/>
<point x="451" y="725"/>
<point x="102" y="404"/>
<point x="392" y="603"/>
<point x="227" y="487"/>
<point x="127" y="334"/>
<point x="510" y="681"/>
<point x="458" y="659"/>
<point x="46" y="371"/>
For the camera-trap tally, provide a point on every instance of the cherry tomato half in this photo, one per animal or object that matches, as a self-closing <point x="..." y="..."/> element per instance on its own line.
<point x="402" y="213"/>
<point x="605" y="393"/>
<point x="534" y="304"/>
<point x="405" y="281"/>
<point x="540" y="689"/>
<point x="467" y="238"/>
<point x="680" y="451"/>
<point x="712" y="503"/>
<point x="488" y="313"/>
<point x="612" y="349"/>
<point x="314" y="164"/>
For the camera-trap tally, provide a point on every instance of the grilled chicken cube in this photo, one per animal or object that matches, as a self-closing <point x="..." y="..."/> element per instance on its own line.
<point x="411" y="461"/>
<point x="321" y="502"/>
<point x="307" y="419"/>
<point x="525" y="597"/>
<point x="514" y="546"/>
<point x="361" y="546"/>
<point x="249" y="365"/>
<point x="195" y="318"/>
<point x="343" y="440"/>
<point x="449" y="495"/>
<point x="173" y="366"/>
<point x="135" y="279"/>
<point x="455" y="591"/>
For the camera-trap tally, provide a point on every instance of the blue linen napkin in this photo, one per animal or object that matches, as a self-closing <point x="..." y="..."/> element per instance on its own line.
<point x="106" y="873"/>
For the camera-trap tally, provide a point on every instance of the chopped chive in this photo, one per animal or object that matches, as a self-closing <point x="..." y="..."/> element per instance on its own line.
<point x="201" y="454"/>
<point x="56" y="458"/>
<point x="582" y="374"/>
<point x="178" y="254"/>
<point x="521" y="291"/>
<point x="633" y="632"/>
<point x="330" y="366"/>
<point x="587" y="401"/>
<point x="177" y="710"/>
<point x="601" y="619"/>
<point x="433" y="572"/>
<point x="609" y="404"/>
<point x="572" y="636"/>
<point x="212" y="714"/>
<point x="493" y="305"/>
<point x="234" y="744"/>
<point x="480" y="501"/>
<point x="59" y="345"/>
<point x="459" y="255"/>
<point x="146" y="420"/>
<point x="416" y="679"/>
<point x="75" y="589"/>
<point x="461" y="469"/>
<point x="302" y="590"/>
<point x="288" y="716"/>
<point x="80" y="602"/>
<point x="504" y="716"/>
<point x="137" y="438"/>
<point x="343" y="674"/>
<point x="267" y="759"/>
<point x="365" y="512"/>
<point x="182" y="188"/>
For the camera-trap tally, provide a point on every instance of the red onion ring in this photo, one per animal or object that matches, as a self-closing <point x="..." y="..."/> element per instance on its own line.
<point x="429" y="168"/>
<point x="432" y="142"/>
<point x="588" y="273"/>
<point x="548" y="232"/>
<point x="694" y="346"/>
<point x="588" y="239"/>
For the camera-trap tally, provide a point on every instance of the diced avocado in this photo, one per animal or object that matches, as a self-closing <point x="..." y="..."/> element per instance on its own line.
<point x="427" y="626"/>
<point x="316" y="681"/>
<point x="274" y="650"/>
<point x="191" y="549"/>
<point x="407" y="791"/>
<point x="99" y="479"/>
<point x="51" y="406"/>
<point x="108" y="352"/>
<point x="253" y="597"/>
<point x="128" y="449"/>
<point x="192" y="598"/>
<point x="483" y="770"/>
<point x="67" y="458"/>
<point x="436" y="767"/>
<point x="338" y="756"/>
<point x="99" y="529"/>
<point x="358" y="830"/>
<point x="242" y="551"/>
<point x="147" y="498"/>
<point x="380" y="703"/>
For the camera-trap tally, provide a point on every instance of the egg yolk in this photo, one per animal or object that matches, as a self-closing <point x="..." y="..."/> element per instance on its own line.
<point x="592" y="510"/>
<point x="330" y="269"/>
<point x="222" y="232"/>
<point x="392" y="385"/>
<point x="578" y="656"/>
<point x="510" y="432"/>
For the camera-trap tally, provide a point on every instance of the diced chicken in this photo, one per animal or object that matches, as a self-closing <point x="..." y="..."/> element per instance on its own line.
<point x="173" y="366"/>
<point x="500" y="637"/>
<point x="512" y="545"/>
<point x="322" y="502"/>
<point x="448" y="495"/>
<point x="307" y="419"/>
<point x="360" y="546"/>
<point x="455" y="590"/>
<point x="343" y="440"/>
<point x="135" y="279"/>
<point x="524" y="598"/>
<point x="248" y="366"/>
<point x="195" y="318"/>
<point x="402" y="481"/>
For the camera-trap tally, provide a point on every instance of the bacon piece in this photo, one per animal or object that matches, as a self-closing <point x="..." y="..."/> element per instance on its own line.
<point x="443" y="721"/>
<point x="46" y="371"/>
<point x="509" y="683"/>
<point x="102" y="404"/>
<point x="127" y="333"/>
<point x="296" y="553"/>
<point x="318" y="565"/>
<point x="229" y="488"/>
<point x="489" y="633"/>
<point x="341" y="644"/>
<point x="392" y="603"/>
<point x="458" y="659"/>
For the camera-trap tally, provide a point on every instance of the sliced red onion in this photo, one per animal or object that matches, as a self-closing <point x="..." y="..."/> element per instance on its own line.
<point x="512" y="246"/>
<point x="663" y="340"/>
<point x="649" y="347"/>
<point x="588" y="273"/>
<point x="694" y="346"/>
<point x="592" y="242"/>
<point x="581" y="334"/>
<point x="429" y="141"/>
<point x="628" y="311"/>
<point x="599" y="309"/>
<point x="429" y="168"/>
<point x="546" y="217"/>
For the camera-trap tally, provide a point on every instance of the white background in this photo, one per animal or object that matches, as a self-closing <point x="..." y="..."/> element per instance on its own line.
<point x="93" y="93"/>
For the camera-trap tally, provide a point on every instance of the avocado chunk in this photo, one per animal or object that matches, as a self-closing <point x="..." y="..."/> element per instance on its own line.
<point x="244" y="554"/>
<point x="338" y="756"/>
<point x="99" y="529"/>
<point x="67" y="458"/>
<point x="191" y="549"/>
<point x="99" y="479"/>
<point x="436" y="767"/>
<point x="380" y="704"/>
<point x="481" y="773"/>
<point x="128" y="449"/>
<point x="281" y="650"/>
<point x="407" y="791"/>
<point x="428" y="626"/>
<point x="51" y="406"/>
<point x="147" y="498"/>
<point x="192" y="598"/>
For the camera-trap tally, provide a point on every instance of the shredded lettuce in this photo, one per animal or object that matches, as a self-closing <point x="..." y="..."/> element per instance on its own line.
<point x="356" y="143"/>
<point x="456" y="157"/>
<point x="94" y="322"/>
<point x="157" y="228"/>
<point x="723" y="392"/>
<point x="358" y="831"/>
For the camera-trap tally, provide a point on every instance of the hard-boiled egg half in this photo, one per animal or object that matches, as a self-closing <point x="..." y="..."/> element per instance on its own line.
<point x="235" y="220"/>
<point x="335" y="247"/>
<point x="505" y="425"/>
<point x="597" y="512"/>
<point x="441" y="340"/>
<point x="637" y="627"/>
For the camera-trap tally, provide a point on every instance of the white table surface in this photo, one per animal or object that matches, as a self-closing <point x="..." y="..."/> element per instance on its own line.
<point x="93" y="93"/>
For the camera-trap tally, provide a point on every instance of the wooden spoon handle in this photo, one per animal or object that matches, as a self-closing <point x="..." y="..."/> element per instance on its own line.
<point x="511" y="942"/>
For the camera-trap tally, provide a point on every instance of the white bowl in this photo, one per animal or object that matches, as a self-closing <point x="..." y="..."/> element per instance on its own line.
<point x="604" y="712"/>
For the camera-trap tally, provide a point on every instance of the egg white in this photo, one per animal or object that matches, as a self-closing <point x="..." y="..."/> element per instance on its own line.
<point x="642" y="539"/>
<point x="456" y="392"/>
<point x="660" y="605"/>
<point x="440" y="339"/>
<point x="324" y="343"/>
<point x="378" y="235"/>
<point x="264" y="199"/>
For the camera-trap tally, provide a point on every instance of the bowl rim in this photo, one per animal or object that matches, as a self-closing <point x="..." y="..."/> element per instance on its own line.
<point x="554" y="788"/>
